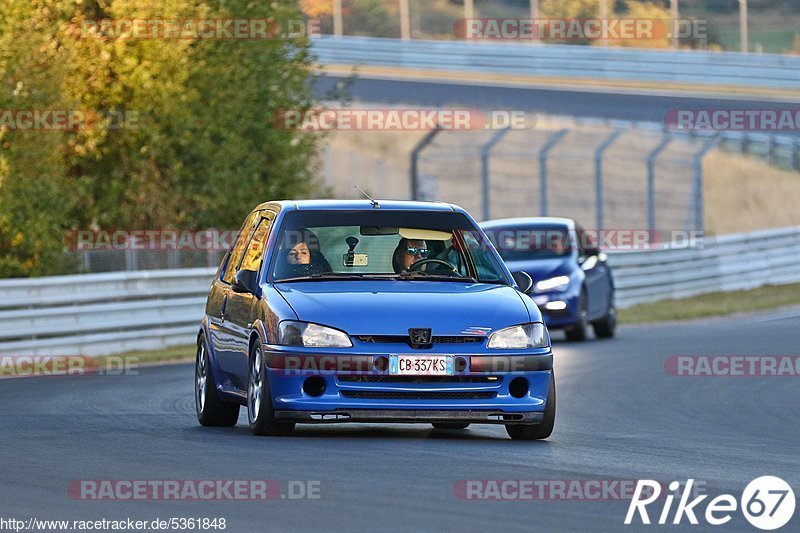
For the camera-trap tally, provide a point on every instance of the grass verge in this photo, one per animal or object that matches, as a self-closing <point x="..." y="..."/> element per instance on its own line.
<point x="713" y="304"/>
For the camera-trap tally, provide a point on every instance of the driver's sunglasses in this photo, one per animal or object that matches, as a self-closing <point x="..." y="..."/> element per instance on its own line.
<point x="422" y="252"/>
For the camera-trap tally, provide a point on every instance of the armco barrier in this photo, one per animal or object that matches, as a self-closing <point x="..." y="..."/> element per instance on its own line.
<point x="728" y="69"/>
<point x="725" y="263"/>
<point x="95" y="314"/>
<point x="123" y="311"/>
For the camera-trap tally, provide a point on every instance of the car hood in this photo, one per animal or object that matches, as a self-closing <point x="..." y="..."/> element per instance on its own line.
<point x="541" y="269"/>
<point x="392" y="307"/>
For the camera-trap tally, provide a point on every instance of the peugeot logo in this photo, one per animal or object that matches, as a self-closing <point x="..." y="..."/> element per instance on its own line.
<point x="420" y="335"/>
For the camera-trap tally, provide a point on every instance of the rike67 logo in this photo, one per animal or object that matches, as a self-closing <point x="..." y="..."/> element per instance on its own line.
<point x="767" y="502"/>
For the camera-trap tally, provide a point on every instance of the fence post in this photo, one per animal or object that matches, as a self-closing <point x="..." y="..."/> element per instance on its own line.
<point x="796" y="154"/>
<point x="651" y="181"/>
<point x="486" y="150"/>
<point x="545" y="150"/>
<point x="598" y="175"/>
<point x="771" y="149"/>
<point x="697" y="194"/>
<point x="421" y="145"/>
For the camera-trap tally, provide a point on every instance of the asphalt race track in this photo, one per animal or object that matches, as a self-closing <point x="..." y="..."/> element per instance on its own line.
<point x="594" y="103"/>
<point x="620" y="416"/>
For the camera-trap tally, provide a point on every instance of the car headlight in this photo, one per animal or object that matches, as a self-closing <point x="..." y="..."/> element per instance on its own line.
<point x="294" y="333"/>
<point x="556" y="283"/>
<point x="518" y="337"/>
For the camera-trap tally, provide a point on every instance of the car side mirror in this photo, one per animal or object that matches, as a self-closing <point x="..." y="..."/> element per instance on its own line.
<point x="523" y="281"/>
<point x="590" y="252"/>
<point x="245" y="281"/>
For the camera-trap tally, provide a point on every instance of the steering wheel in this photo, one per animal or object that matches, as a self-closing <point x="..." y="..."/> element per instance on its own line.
<point x="423" y="262"/>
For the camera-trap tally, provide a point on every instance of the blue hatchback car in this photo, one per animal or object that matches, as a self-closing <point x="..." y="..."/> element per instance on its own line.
<point x="359" y="311"/>
<point x="573" y="286"/>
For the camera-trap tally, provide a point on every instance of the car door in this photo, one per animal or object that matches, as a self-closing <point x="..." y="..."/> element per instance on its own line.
<point x="223" y="334"/>
<point x="240" y="313"/>
<point x="594" y="266"/>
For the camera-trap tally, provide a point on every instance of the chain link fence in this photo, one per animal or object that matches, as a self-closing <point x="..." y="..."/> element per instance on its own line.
<point x="606" y="176"/>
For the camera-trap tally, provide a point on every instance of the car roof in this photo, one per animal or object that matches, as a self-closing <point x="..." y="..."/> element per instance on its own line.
<point x="528" y="221"/>
<point x="359" y="205"/>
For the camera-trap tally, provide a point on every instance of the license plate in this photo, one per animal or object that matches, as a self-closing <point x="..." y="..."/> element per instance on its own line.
<point x="421" y="365"/>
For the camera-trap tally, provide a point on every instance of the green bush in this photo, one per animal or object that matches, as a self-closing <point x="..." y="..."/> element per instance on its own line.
<point x="207" y="147"/>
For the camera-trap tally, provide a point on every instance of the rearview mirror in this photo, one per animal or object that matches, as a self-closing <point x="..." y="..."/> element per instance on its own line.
<point x="523" y="281"/>
<point x="245" y="281"/>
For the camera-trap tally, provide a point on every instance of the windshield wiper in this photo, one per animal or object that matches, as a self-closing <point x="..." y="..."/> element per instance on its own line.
<point x="324" y="276"/>
<point x="434" y="277"/>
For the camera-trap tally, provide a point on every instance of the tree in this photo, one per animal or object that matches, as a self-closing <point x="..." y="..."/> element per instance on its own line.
<point x="317" y="8"/>
<point x="206" y="149"/>
<point x="662" y="23"/>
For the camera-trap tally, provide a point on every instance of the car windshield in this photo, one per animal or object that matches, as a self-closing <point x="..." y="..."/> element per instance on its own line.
<point x="525" y="243"/>
<point x="404" y="245"/>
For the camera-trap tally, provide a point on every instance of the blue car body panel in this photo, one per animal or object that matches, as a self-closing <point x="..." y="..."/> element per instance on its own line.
<point x="358" y="307"/>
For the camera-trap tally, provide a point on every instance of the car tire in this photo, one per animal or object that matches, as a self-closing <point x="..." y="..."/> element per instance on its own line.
<point x="542" y="430"/>
<point x="260" y="412"/>
<point x="211" y="411"/>
<point x="450" y="425"/>
<point x="580" y="330"/>
<point x="606" y="326"/>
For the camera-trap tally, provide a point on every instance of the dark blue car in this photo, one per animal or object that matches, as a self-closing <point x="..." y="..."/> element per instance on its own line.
<point x="573" y="286"/>
<point x="359" y="311"/>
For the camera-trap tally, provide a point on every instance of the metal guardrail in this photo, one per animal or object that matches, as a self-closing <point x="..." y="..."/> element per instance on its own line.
<point x="95" y="314"/>
<point x="726" y="263"/>
<point x="728" y="69"/>
<point x="109" y="313"/>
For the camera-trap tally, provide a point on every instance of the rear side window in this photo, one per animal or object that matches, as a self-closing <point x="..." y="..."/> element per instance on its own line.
<point x="255" y="249"/>
<point x="235" y="255"/>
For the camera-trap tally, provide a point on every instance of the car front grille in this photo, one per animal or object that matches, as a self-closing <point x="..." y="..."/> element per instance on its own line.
<point x="419" y="395"/>
<point x="421" y="379"/>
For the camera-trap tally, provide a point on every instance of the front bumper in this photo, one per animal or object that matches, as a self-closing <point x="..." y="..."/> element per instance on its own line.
<point x="358" y="392"/>
<point x="408" y="416"/>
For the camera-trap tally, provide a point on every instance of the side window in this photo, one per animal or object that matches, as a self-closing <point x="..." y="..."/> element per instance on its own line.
<point x="255" y="249"/>
<point x="485" y="265"/>
<point x="239" y="246"/>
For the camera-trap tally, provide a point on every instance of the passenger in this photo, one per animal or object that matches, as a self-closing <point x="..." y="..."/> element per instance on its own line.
<point x="304" y="258"/>
<point x="407" y="253"/>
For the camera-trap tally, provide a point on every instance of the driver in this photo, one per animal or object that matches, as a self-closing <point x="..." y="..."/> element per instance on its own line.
<point x="408" y="252"/>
